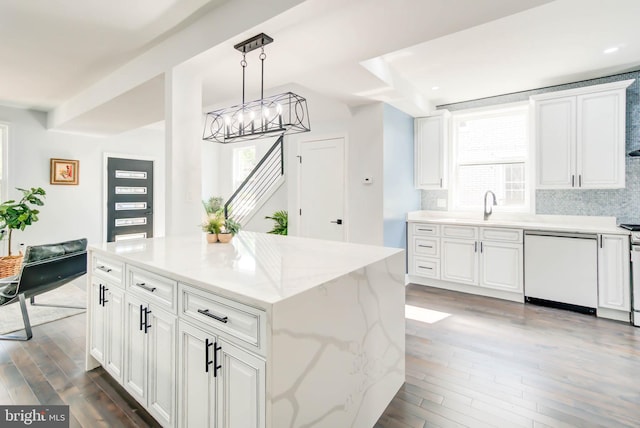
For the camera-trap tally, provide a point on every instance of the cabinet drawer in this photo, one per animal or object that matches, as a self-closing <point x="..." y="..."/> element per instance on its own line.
<point x="425" y="229"/>
<point x="500" y="234"/>
<point x="426" y="267"/>
<point x="464" y="232"/>
<point x="108" y="269"/>
<point x="153" y="287"/>
<point x="426" y="246"/>
<point x="242" y="324"/>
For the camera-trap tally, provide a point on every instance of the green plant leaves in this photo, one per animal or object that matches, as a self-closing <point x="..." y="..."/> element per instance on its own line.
<point x="282" y="222"/>
<point x="19" y="215"/>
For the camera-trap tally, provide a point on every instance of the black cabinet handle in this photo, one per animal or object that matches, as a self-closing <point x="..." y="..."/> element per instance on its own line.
<point x="215" y="317"/>
<point x="426" y="230"/>
<point x="573" y="180"/>
<point x="207" y="363"/>
<point x="579" y="180"/>
<point x="100" y="296"/>
<point x="475" y="247"/>
<point x="146" y="287"/>
<point x="147" y="326"/>
<point x="425" y="246"/>
<point x="338" y="221"/>
<point x="216" y="348"/>
<point x="480" y="246"/>
<point x="104" y="294"/>
<point x="104" y="268"/>
<point x="141" y="317"/>
<point x="425" y="267"/>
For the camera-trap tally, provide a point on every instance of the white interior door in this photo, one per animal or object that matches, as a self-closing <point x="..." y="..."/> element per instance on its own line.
<point x="322" y="184"/>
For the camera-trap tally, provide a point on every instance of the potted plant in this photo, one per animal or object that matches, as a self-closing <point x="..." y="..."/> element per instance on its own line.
<point x="18" y="215"/>
<point x="282" y="221"/>
<point x="213" y="205"/>
<point x="212" y="225"/>
<point x="229" y="230"/>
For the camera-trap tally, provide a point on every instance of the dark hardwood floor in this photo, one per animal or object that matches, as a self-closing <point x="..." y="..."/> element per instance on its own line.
<point x="490" y="363"/>
<point x="49" y="369"/>
<point x="500" y="364"/>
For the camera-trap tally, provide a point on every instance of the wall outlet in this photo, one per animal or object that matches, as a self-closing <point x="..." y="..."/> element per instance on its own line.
<point x="442" y="203"/>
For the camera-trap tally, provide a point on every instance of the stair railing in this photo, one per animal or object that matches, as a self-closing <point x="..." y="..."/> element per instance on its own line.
<point x="259" y="181"/>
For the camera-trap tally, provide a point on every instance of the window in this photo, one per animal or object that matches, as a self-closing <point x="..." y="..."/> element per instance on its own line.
<point x="244" y="160"/>
<point x="491" y="152"/>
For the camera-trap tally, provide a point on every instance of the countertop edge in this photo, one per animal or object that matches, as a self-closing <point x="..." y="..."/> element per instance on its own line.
<point x="548" y="227"/>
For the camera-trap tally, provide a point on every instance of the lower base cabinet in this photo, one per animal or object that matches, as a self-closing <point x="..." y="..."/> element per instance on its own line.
<point x="501" y="266"/>
<point x="221" y="385"/>
<point x="150" y="351"/>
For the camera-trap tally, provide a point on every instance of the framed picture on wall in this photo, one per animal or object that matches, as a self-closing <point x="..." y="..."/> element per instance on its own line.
<point x="64" y="171"/>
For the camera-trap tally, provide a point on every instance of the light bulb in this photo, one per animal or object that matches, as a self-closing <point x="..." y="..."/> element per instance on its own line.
<point x="252" y="117"/>
<point x="279" y="110"/>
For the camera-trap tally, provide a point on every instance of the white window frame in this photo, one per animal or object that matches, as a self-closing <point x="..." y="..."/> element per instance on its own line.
<point x="492" y="111"/>
<point x="4" y="148"/>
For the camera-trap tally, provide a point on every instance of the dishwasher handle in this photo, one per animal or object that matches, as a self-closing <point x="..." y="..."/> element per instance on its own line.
<point x="560" y="234"/>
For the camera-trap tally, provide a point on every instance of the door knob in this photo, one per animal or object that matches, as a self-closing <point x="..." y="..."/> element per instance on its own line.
<point x="338" y="221"/>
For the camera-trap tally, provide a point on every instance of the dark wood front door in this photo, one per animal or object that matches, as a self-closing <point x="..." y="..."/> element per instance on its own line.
<point x="129" y="199"/>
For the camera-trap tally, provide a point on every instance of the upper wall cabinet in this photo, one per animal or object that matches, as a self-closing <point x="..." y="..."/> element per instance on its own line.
<point x="431" y="134"/>
<point x="580" y="137"/>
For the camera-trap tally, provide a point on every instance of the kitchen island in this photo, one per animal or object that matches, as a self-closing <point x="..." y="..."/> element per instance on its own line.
<point x="267" y="331"/>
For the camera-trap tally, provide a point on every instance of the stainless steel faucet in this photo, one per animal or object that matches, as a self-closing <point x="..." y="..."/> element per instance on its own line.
<point x="488" y="208"/>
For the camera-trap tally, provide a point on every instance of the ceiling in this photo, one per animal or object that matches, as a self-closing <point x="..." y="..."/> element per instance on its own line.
<point x="53" y="49"/>
<point x="355" y="51"/>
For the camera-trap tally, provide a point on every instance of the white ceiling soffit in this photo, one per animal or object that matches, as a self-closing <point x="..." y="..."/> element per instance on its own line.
<point x="321" y="43"/>
<point x="51" y="50"/>
<point x="136" y="108"/>
<point x="560" y="42"/>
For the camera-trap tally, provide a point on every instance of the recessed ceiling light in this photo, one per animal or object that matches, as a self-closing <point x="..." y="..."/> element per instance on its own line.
<point x="610" y="50"/>
<point x="435" y="88"/>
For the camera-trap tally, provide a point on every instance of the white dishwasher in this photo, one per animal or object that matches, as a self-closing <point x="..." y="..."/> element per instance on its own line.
<point x="561" y="269"/>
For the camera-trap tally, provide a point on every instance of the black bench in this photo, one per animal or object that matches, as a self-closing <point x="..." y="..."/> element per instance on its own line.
<point x="44" y="268"/>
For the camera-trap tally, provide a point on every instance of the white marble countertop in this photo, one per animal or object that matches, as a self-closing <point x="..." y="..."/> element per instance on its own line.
<point x="558" y="223"/>
<point x="255" y="268"/>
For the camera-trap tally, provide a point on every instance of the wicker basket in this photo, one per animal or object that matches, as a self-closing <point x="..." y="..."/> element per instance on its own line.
<point x="10" y="265"/>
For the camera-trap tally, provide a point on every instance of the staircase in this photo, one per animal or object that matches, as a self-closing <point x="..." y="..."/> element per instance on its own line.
<point x="261" y="182"/>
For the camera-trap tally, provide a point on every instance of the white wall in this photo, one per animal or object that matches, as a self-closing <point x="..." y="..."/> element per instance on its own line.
<point x="365" y="155"/>
<point x="70" y="211"/>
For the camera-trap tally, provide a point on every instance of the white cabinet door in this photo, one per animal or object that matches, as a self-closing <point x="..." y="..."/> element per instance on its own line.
<point x="97" y="323"/>
<point x="161" y="335"/>
<point x="501" y="265"/>
<point x="150" y="358"/>
<point x="221" y="385"/>
<point x="601" y="145"/>
<point x="431" y="151"/>
<point x="241" y="388"/>
<point x="136" y="350"/>
<point x="197" y="385"/>
<point x="459" y="260"/>
<point x="555" y="124"/>
<point x="114" y="334"/>
<point x="613" y="272"/>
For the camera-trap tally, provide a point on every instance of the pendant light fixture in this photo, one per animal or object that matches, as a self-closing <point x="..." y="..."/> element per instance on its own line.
<point x="284" y="113"/>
